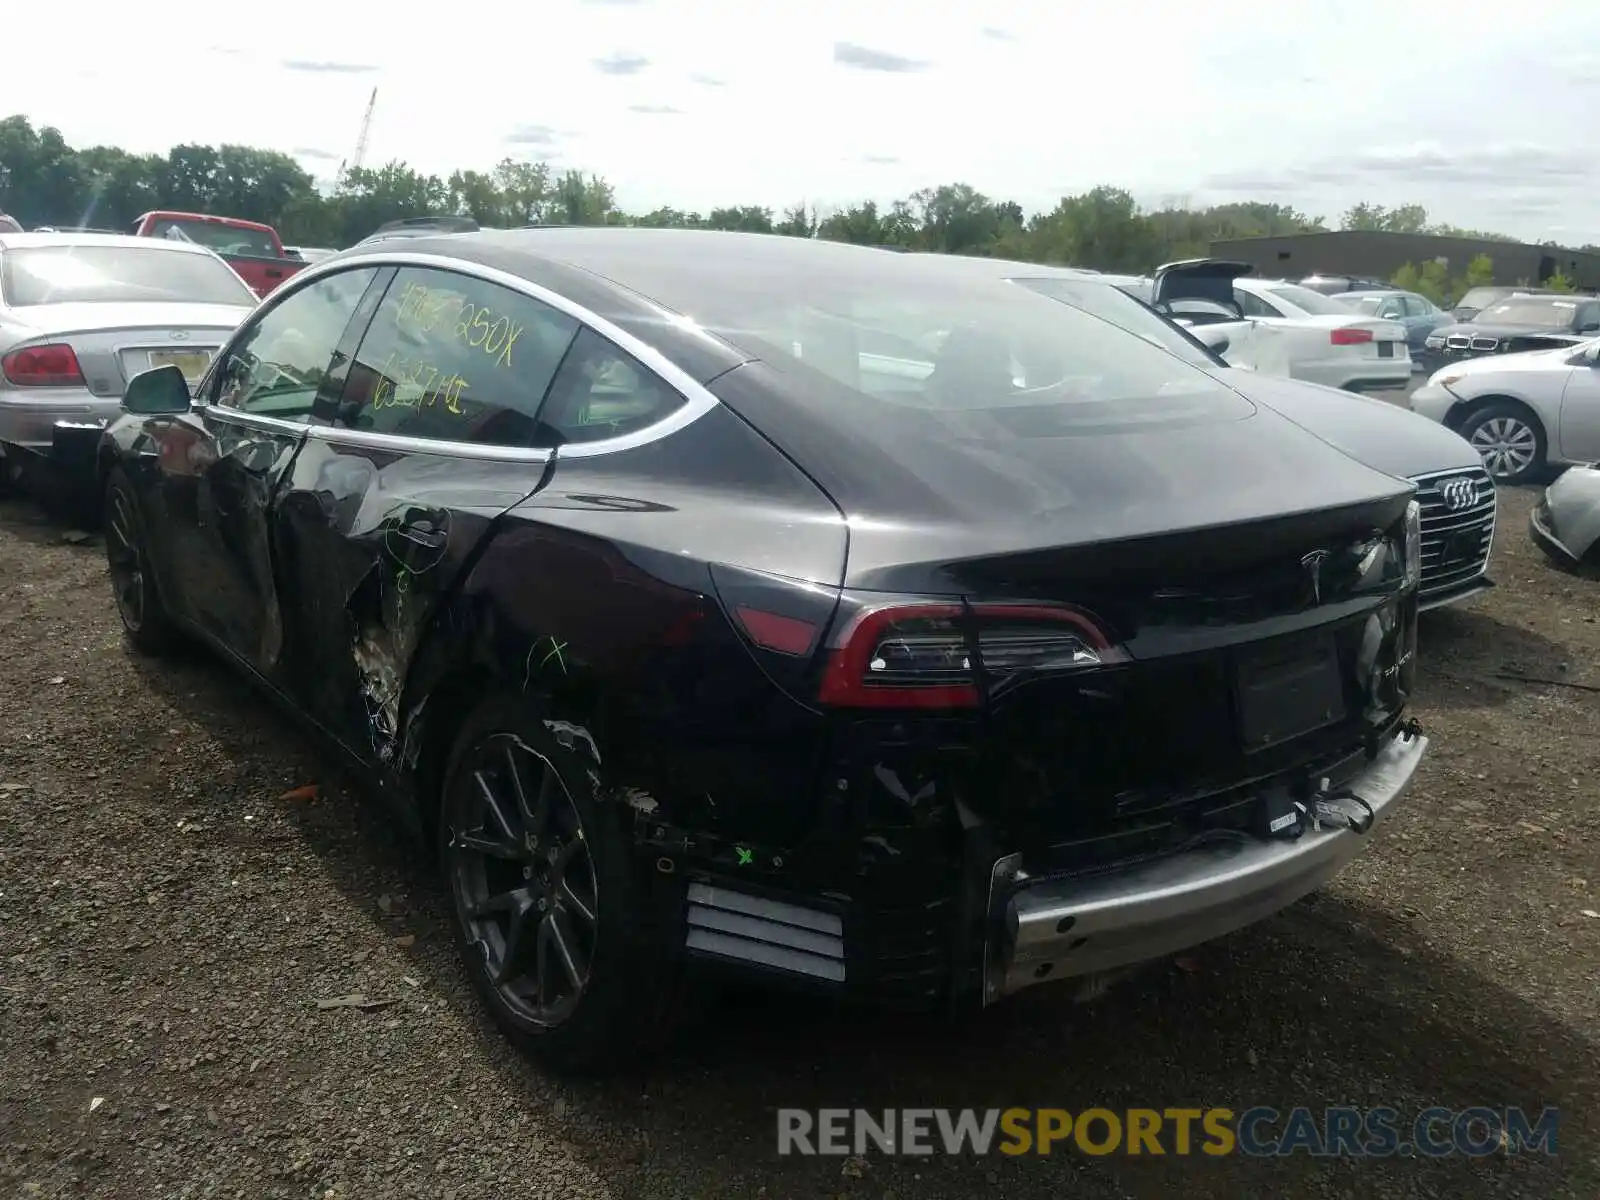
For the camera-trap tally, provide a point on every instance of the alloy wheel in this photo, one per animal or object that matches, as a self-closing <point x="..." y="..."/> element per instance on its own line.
<point x="1508" y="446"/>
<point x="125" y="560"/>
<point x="523" y="878"/>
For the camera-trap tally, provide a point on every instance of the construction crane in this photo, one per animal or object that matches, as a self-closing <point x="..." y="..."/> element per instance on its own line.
<point x="353" y="163"/>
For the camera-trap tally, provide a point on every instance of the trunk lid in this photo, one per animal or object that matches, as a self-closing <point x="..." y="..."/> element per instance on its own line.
<point x="1018" y="505"/>
<point x="114" y="342"/>
<point x="1209" y="279"/>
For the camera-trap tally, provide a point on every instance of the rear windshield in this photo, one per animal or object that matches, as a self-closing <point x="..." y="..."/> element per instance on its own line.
<point x="1365" y="304"/>
<point x="922" y="346"/>
<point x="1530" y="313"/>
<point x="1122" y="310"/>
<point x="1306" y="300"/>
<point x="1479" y="298"/>
<point x="108" y="274"/>
<point x="224" y="239"/>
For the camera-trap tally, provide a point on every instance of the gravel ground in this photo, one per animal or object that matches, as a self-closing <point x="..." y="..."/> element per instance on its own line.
<point x="169" y="918"/>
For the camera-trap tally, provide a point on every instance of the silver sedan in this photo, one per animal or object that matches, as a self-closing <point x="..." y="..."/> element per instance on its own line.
<point x="81" y="314"/>
<point x="1521" y="412"/>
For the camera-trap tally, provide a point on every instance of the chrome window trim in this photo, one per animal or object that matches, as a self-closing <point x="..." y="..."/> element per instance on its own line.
<point x="403" y="444"/>
<point x="254" y="420"/>
<point x="698" y="399"/>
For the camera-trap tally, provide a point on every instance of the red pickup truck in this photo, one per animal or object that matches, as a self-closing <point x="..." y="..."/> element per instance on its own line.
<point x="253" y="250"/>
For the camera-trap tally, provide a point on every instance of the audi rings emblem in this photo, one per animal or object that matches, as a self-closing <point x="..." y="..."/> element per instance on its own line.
<point x="1459" y="494"/>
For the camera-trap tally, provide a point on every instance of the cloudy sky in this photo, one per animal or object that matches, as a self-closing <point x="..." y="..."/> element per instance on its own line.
<point x="1489" y="118"/>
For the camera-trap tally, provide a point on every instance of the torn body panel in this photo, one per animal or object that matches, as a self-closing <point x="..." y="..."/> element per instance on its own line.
<point x="374" y="542"/>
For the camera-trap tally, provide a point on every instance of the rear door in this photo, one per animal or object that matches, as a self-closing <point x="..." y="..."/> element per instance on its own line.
<point x="220" y="465"/>
<point x="428" y="437"/>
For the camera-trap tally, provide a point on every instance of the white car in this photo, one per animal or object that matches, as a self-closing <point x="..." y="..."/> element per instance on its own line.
<point x="1277" y="327"/>
<point x="83" y="313"/>
<point x="1521" y="412"/>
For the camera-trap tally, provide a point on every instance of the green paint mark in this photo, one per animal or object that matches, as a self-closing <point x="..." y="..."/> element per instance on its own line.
<point x="745" y="857"/>
<point x="555" y="652"/>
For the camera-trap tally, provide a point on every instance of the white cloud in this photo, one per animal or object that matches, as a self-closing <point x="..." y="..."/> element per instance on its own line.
<point x="1313" y="104"/>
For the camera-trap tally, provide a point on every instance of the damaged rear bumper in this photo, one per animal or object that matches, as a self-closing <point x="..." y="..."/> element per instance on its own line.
<point x="1048" y="929"/>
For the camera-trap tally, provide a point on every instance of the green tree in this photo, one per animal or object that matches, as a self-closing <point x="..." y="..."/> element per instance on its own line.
<point x="43" y="180"/>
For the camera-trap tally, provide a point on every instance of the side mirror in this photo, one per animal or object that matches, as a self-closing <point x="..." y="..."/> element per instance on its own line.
<point x="158" y="390"/>
<point x="1220" y="346"/>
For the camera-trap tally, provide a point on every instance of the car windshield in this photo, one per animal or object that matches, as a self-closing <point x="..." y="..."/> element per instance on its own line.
<point x="1306" y="300"/>
<point x="1477" y="298"/>
<point x="1529" y="312"/>
<point x="108" y="274"/>
<point x="1122" y="310"/>
<point x="914" y="344"/>
<point x="216" y="235"/>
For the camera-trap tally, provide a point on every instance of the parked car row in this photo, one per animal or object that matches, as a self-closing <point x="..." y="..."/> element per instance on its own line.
<point x="1276" y="326"/>
<point x="910" y="628"/>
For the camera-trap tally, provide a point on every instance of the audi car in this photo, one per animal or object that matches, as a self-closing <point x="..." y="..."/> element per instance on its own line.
<point x="720" y="602"/>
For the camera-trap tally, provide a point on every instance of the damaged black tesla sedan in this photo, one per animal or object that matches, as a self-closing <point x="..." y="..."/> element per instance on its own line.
<point x="719" y="600"/>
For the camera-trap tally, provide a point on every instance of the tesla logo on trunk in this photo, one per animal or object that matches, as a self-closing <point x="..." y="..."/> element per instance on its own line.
<point x="1313" y="564"/>
<point x="1458" y="494"/>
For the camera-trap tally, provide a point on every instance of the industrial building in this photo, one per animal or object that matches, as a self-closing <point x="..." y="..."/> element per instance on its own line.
<point x="1379" y="255"/>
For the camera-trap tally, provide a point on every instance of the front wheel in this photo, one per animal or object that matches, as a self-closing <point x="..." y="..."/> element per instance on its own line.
<point x="549" y="917"/>
<point x="145" y="620"/>
<point x="1509" y="439"/>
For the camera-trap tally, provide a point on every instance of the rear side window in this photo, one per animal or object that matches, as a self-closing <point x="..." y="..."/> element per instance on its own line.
<point x="455" y="358"/>
<point x="113" y="274"/>
<point x="277" y="364"/>
<point x="603" y="392"/>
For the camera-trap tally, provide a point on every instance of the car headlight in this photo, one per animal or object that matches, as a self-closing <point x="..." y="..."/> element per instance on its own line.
<point x="1433" y="342"/>
<point x="1413" y="548"/>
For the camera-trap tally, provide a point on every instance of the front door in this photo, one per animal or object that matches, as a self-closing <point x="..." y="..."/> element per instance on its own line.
<point x="220" y="465"/>
<point x="432" y="436"/>
<point x="1580" y="413"/>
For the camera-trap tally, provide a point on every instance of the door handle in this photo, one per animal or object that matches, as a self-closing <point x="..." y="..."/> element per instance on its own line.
<point x="422" y="534"/>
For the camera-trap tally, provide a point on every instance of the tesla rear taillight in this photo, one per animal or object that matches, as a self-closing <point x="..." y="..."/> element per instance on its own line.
<point x="922" y="655"/>
<point x="1350" y="337"/>
<point x="42" y="366"/>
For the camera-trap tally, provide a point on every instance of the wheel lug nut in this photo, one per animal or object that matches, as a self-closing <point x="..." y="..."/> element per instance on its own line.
<point x="543" y="904"/>
<point x="527" y="872"/>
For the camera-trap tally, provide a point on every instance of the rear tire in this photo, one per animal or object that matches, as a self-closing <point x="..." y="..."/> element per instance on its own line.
<point x="1510" y="440"/>
<point x="145" y="621"/>
<point x="554" y="928"/>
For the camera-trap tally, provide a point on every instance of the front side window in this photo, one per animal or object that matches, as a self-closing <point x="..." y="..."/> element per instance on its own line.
<point x="275" y="367"/>
<point x="457" y="359"/>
